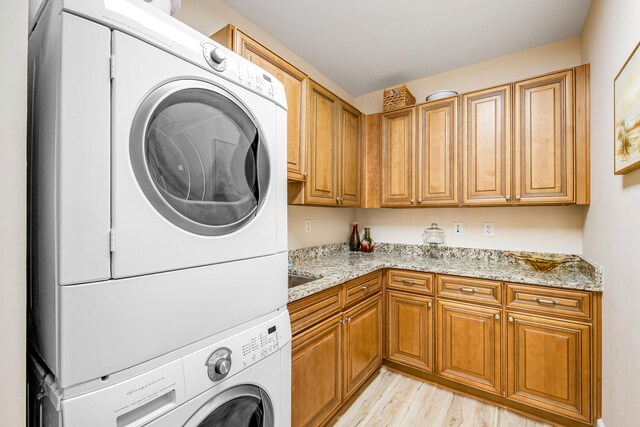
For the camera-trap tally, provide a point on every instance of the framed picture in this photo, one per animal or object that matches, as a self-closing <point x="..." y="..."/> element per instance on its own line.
<point x="626" y="88"/>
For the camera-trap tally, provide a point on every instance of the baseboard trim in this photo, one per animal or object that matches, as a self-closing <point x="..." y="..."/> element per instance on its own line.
<point x="600" y="423"/>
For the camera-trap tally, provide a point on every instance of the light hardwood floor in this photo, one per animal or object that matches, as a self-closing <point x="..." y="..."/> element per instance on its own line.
<point x="392" y="399"/>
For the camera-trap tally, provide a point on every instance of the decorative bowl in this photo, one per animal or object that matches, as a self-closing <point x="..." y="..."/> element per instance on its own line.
<point x="440" y="94"/>
<point x="544" y="262"/>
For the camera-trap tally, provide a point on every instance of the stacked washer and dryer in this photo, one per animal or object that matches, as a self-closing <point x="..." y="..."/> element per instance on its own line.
<point x="158" y="229"/>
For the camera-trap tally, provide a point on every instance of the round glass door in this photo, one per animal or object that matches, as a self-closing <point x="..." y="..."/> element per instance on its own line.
<point x="240" y="406"/>
<point x="200" y="157"/>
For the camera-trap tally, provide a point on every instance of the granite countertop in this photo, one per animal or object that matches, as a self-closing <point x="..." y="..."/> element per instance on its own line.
<point x="335" y="264"/>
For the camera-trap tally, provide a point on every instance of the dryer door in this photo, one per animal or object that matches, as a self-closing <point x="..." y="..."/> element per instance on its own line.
<point x="199" y="157"/>
<point x="239" y="406"/>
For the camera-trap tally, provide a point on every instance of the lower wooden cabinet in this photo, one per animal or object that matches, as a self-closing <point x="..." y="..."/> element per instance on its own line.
<point x="362" y="342"/>
<point x="468" y="343"/>
<point x="549" y="364"/>
<point x="316" y="373"/>
<point x="410" y="330"/>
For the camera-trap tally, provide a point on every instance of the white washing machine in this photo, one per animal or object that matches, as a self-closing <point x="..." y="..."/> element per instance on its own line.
<point x="241" y="381"/>
<point x="158" y="187"/>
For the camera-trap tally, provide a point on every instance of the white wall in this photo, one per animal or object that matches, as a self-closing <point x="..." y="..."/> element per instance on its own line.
<point x="612" y="222"/>
<point x="328" y="225"/>
<point x="555" y="229"/>
<point x="13" y="120"/>
<point x="496" y="71"/>
<point x="208" y="16"/>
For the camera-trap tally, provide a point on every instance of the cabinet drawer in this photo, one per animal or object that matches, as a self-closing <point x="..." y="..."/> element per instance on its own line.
<point x="410" y="281"/>
<point x="313" y="309"/>
<point x="472" y="290"/>
<point x="362" y="287"/>
<point x="561" y="302"/>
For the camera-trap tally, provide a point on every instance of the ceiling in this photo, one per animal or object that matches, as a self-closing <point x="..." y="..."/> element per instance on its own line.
<point x="367" y="45"/>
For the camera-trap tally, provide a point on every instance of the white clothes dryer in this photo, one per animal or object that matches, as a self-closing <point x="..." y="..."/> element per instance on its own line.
<point x="157" y="188"/>
<point x="243" y="381"/>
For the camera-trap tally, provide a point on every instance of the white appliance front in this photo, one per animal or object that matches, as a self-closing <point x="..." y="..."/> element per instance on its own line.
<point x="198" y="165"/>
<point x="242" y="380"/>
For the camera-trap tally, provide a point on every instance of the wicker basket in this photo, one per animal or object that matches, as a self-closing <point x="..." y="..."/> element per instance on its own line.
<point x="397" y="97"/>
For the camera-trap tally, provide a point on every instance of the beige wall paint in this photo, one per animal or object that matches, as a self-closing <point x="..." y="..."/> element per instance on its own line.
<point x="13" y="120"/>
<point x="208" y="16"/>
<point x="504" y="69"/>
<point x="612" y="230"/>
<point x="544" y="229"/>
<point x="328" y="225"/>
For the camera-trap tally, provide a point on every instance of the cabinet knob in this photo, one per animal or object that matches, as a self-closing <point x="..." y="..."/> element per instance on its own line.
<point x="518" y="197"/>
<point x="429" y="304"/>
<point x="419" y="201"/>
<point x="413" y="201"/>
<point x="510" y="319"/>
<point x="496" y="316"/>
<point x="304" y="174"/>
<point x="507" y="197"/>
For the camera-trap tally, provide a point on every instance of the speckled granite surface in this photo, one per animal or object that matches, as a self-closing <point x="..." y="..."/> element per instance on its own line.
<point x="334" y="264"/>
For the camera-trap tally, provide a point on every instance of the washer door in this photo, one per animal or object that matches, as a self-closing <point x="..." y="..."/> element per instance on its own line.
<point x="239" y="406"/>
<point x="200" y="157"/>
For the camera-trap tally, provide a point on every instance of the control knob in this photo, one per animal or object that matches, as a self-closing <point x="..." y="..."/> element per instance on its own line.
<point x="217" y="55"/>
<point x="219" y="364"/>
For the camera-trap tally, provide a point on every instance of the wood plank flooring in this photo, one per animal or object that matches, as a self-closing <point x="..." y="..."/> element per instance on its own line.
<point x="393" y="399"/>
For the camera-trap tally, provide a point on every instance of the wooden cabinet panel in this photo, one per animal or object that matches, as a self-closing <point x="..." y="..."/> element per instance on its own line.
<point x="363" y="342"/>
<point x="316" y="373"/>
<point x="549" y="364"/>
<point x="349" y="143"/>
<point x="308" y="311"/>
<point x="363" y="287"/>
<point x="412" y="281"/>
<point x="295" y="87"/>
<point x="398" y="158"/>
<point x="468" y="343"/>
<point x="544" y="141"/>
<point x="410" y="330"/>
<point x="470" y="290"/>
<point x="486" y="147"/>
<point x="321" y="187"/>
<point x="437" y="153"/>
<point x="557" y="302"/>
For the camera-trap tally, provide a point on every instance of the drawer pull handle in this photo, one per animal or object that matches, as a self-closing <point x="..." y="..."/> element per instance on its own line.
<point x="365" y="288"/>
<point x="496" y="316"/>
<point x="546" y="301"/>
<point x="409" y="282"/>
<point x="468" y="290"/>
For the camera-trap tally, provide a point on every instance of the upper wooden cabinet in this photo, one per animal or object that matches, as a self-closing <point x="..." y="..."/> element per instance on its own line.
<point x="295" y="87"/>
<point x="350" y="153"/>
<point x="437" y="141"/>
<point x="398" y="158"/>
<point x="322" y="180"/>
<point x="486" y="147"/>
<point x="543" y="142"/>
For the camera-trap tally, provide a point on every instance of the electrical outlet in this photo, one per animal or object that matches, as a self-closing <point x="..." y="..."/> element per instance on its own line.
<point x="488" y="229"/>
<point x="458" y="229"/>
<point x="307" y="226"/>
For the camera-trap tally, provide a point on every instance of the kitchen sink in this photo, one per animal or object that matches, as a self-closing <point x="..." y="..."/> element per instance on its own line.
<point x="297" y="280"/>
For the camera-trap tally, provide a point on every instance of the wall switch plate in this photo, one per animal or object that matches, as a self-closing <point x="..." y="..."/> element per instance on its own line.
<point x="307" y="226"/>
<point x="458" y="229"/>
<point x="488" y="229"/>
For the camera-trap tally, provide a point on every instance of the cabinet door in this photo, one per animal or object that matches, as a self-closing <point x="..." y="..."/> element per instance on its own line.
<point x="438" y="153"/>
<point x="349" y="145"/>
<point x="316" y="373"/>
<point x="468" y="342"/>
<point x="295" y="87"/>
<point x="544" y="143"/>
<point x="321" y="187"/>
<point x="410" y="330"/>
<point x="363" y="342"/>
<point x="486" y="147"/>
<point x="398" y="158"/>
<point x="549" y="364"/>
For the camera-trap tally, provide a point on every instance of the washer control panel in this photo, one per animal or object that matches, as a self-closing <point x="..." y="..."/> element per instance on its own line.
<point x="260" y="345"/>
